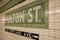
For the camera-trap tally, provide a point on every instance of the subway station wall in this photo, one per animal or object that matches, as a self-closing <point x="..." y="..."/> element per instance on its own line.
<point x="50" y="31"/>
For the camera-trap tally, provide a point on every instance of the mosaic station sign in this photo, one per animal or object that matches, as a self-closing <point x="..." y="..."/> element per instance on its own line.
<point x="31" y="15"/>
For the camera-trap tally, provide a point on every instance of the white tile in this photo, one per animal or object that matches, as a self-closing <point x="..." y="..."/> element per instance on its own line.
<point x="51" y="11"/>
<point x="57" y="38"/>
<point x="57" y="3"/>
<point x="51" y="15"/>
<point x="41" y="37"/>
<point x="51" y="4"/>
<point x="51" y="18"/>
<point x="57" y="33"/>
<point x="57" y="18"/>
<point x="45" y="37"/>
<point x="57" y="10"/>
<point x="57" y="14"/>
<point x="51" y="25"/>
<point x="57" y="25"/>
<point x="51" y="38"/>
<point x="43" y="32"/>
<point x="51" y="33"/>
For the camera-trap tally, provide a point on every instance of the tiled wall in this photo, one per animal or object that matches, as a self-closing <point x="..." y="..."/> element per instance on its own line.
<point x="54" y="19"/>
<point x="53" y="33"/>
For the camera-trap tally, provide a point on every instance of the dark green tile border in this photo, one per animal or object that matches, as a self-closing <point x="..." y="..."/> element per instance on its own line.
<point x="10" y="4"/>
<point x="27" y="6"/>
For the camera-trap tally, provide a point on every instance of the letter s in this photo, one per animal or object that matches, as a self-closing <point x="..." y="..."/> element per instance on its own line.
<point x="31" y="16"/>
